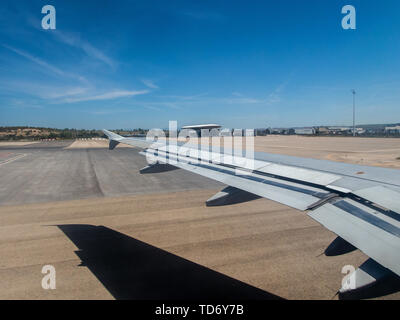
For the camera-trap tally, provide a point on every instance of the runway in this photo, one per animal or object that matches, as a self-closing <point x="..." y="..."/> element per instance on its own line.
<point x="51" y="171"/>
<point x="112" y="233"/>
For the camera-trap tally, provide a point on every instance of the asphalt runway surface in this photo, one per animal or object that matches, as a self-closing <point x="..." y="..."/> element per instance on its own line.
<point x="49" y="172"/>
<point x="112" y="233"/>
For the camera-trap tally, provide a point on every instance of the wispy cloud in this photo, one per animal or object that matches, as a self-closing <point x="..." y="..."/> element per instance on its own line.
<point x="179" y="101"/>
<point x="149" y="83"/>
<point x="236" y="98"/>
<point x="36" y="60"/>
<point x="67" y="92"/>
<point x="275" y="96"/>
<point x="42" y="91"/>
<point x="237" y="94"/>
<point x="106" y="96"/>
<point x="186" y="98"/>
<point x="24" y="104"/>
<point x="239" y="98"/>
<point x="43" y="63"/>
<point x="150" y="107"/>
<point x="160" y="104"/>
<point x="90" y="50"/>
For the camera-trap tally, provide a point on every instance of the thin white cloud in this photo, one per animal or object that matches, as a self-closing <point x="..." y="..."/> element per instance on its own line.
<point x="156" y="105"/>
<point x="24" y="104"/>
<point x="43" y="63"/>
<point x="150" y="107"/>
<point x="107" y="96"/>
<point x="186" y="98"/>
<point x="242" y="100"/>
<point x="273" y="98"/>
<point x="91" y="51"/>
<point x="237" y="94"/>
<point x="149" y="83"/>
<point x="65" y="93"/>
<point x="36" y="60"/>
<point x="41" y="90"/>
<point x="237" y="98"/>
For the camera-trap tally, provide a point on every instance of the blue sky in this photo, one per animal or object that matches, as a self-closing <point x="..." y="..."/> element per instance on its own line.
<point x="129" y="64"/>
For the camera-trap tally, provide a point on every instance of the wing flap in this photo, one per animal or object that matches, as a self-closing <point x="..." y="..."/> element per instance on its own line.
<point x="382" y="196"/>
<point x="355" y="223"/>
<point x="291" y="194"/>
<point x="312" y="176"/>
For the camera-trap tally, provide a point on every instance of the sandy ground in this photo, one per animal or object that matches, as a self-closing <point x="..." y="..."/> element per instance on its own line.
<point x="87" y="144"/>
<point x="151" y="236"/>
<point x="16" y="143"/>
<point x="90" y="144"/>
<point x="381" y="152"/>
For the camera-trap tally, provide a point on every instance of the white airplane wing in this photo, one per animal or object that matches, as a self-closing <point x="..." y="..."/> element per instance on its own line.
<point x="360" y="204"/>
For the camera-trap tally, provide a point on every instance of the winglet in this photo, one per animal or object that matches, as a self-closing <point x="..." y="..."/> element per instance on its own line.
<point x="113" y="137"/>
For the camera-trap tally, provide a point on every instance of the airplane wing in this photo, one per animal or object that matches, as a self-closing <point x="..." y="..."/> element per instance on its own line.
<point x="360" y="204"/>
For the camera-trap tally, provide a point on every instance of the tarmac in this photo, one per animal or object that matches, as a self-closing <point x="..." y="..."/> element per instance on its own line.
<point x="112" y="233"/>
<point x="53" y="171"/>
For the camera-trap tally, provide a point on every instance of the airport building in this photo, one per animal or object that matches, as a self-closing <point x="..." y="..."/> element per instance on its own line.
<point x="201" y="129"/>
<point x="305" y="131"/>
<point x="392" y="130"/>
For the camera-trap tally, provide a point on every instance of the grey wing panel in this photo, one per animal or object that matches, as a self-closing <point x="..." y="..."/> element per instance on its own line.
<point x="339" y="176"/>
<point x="135" y="142"/>
<point x="377" y="237"/>
<point x="383" y="196"/>
<point x="367" y="173"/>
<point x="288" y="193"/>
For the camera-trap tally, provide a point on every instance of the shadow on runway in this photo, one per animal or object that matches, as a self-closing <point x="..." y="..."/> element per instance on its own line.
<point x="131" y="269"/>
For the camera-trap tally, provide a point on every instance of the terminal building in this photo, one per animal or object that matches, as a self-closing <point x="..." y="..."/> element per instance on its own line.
<point x="211" y="129"/>
<point x="304" y="131"/>
<point x="392" y="130"/>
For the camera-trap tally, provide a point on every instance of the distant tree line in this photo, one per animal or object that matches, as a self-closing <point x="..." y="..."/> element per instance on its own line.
<point x="39" y="133"/>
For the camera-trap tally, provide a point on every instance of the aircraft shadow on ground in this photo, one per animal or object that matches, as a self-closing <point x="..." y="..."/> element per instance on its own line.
<point x="131" y="269"/>
<point x="384" y="287"/>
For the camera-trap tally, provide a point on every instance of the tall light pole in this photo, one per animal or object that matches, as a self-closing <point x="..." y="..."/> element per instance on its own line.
<point x="354" y="112"/>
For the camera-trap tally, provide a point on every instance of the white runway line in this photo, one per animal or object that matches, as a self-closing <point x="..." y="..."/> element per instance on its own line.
<point x="13" y="159"/>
